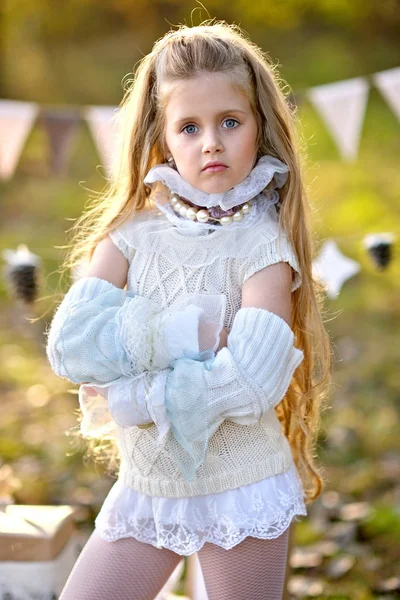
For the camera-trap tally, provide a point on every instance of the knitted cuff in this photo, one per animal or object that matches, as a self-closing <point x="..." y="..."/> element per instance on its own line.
<point x="80" y="338"/>
<point x="262" y="344"/>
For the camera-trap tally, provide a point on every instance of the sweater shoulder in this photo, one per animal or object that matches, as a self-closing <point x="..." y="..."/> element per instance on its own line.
<point x="126" y="236"/>
<point x="268" y="245"/>
<point x="258" y="242"/>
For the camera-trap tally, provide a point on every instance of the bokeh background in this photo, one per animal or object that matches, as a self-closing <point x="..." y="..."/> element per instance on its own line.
<point x="77" y="54"/>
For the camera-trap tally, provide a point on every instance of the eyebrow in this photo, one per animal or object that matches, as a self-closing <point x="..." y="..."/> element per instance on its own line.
<point x="224" y="112"/>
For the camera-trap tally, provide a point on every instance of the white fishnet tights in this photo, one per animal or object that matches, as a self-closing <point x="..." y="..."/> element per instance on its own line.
<point x="254" y="569"/>
<point x="131" y="570"/>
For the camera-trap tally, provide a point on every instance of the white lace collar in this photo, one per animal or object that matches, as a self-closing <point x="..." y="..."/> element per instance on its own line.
<point x="267" y="169"/>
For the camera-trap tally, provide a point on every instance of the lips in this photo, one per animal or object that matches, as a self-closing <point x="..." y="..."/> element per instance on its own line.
<point x="215" y="167"/>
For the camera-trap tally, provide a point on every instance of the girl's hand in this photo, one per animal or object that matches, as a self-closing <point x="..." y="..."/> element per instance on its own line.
<point x="90" y="391"/>
<point x="223" y="339"/>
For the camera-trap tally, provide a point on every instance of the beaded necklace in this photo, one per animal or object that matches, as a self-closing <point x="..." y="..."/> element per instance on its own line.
<point x="190" y="211"/>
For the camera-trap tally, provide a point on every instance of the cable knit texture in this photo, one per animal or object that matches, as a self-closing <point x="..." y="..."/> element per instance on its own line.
<point x="167" y="261"/>
<point x="100" y="332"/>
<point x="244" y="380"/>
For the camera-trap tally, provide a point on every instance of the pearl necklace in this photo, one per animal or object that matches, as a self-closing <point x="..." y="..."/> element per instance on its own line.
<point x="203" y="216"/>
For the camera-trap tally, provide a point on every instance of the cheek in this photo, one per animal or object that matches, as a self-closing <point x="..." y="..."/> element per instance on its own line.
<point x="183" y="149"/>
<point x="172" y="139"/>
<point x="174" y="142"/>
<point x="249" y="141"/>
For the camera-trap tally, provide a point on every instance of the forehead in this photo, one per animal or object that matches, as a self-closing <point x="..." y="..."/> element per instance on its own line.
<point x="205" y="94"/>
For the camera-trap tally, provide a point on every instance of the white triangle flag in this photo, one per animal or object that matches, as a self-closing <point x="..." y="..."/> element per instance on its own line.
<point x="103" y="126"/>
<point x="333" y="268"/>
<point x="388" y="83"/>
<point x="342" y="107"/>
<point x="16" y="121"/>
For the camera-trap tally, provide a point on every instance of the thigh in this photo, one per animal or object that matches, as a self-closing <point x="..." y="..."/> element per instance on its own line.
<point x="122" y="570"/>
<point x="253" y="569"/>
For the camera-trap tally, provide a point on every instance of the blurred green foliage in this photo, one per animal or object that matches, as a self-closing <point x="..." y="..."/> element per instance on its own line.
<point x="77" y="18"/>
<point x="79" y="54"/>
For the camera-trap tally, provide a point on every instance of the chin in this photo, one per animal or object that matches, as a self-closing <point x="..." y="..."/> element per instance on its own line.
<point x="212" y="188"/>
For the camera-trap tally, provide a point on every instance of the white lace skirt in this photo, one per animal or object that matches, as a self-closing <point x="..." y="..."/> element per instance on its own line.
<point x="262" y="510"/>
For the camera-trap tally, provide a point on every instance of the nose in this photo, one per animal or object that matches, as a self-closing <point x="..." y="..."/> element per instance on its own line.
<point x="212" y="141"/>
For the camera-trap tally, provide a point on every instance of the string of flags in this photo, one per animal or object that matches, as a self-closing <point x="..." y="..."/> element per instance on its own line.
<point x="341" y="105"/>
<point x="23" y="269"/>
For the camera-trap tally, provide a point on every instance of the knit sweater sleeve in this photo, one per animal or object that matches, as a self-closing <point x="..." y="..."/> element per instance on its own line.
<point x="241" y="382"/>
<point x="100" y="333"/>
<point x="245" y="379"/>
<point x="271" y="246"/>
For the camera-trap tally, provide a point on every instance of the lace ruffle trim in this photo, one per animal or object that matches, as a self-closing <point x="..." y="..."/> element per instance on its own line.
<point x="267" y="169"/>
<point x="184" y="541"/>
<point x="263" y="510"/>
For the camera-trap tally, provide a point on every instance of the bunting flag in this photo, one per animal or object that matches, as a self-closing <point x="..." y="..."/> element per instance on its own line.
<point x="388" y="83"/>
<point x="102" y="124"/>
<point x="16" y="122"/>
<point x="342" y="107"/>
<point x="61" y="127"/>
<point x="333" y="268"/>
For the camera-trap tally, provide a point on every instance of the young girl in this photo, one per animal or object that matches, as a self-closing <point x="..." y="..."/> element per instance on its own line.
<point x="210" y="367"/>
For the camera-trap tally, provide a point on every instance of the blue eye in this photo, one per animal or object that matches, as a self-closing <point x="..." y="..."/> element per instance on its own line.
<point x="231" y="121"/>
<point x="186" y="126"/>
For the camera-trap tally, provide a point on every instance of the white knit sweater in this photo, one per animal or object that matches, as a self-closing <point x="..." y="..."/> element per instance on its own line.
<point x="170" y="258"/>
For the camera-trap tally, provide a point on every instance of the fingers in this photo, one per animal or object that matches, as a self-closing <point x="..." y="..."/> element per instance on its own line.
<point x="90" y="391"/>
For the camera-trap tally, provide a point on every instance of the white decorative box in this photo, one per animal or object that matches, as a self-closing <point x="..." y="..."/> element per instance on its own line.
<point x="37" y="550"/>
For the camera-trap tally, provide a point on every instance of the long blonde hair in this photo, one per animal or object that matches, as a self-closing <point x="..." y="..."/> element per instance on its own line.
<point x="179" y="55"/>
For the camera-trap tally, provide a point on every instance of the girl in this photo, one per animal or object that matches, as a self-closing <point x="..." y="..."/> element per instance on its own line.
<point x="211" y="366"/>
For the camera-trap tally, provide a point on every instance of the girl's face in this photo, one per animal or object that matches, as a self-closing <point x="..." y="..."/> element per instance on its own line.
<point x="210" y="120"/>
